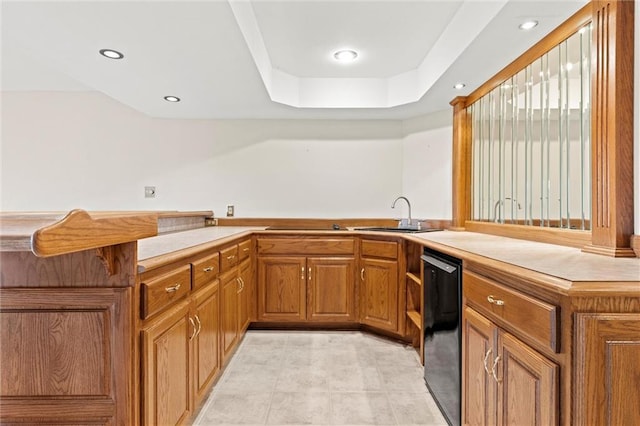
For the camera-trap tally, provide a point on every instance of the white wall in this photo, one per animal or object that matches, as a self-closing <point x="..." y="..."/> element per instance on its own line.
<point x="427" y="166"/>
<point x="64" y="150"/>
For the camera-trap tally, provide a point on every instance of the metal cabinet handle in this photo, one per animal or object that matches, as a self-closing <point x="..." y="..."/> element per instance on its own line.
<point x="208" y="269"/>
<point x="309" y="273"/>
<point x="195" y="330"/>
<point x="199" y="325"/>
<point x="173" y="288"/>
<point x="362" y="274"/>
<point x="231" y="257"/>
<point x="493" y="369"/>
<point x="246" y="249"/>
<point x="486" y="358"/>
<point x="302" y="273"/>
<point x="241" y="283"/>
<point x="491" y="299"/>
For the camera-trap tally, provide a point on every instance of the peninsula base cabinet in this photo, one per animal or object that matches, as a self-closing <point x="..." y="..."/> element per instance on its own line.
<point x="505" y="381"/>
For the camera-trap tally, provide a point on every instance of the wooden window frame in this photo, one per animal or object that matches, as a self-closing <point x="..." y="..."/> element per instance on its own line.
<point x="611" y="135"/>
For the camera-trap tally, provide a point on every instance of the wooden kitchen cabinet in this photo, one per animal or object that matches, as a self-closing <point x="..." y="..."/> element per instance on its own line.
<point x="379" y="287"/>
<point x="319" y="289"/>
<point x="229" y="311"/>
<point x="206" y="344"/>
<point x="306" y="279"/>
<point x="331" y="289"/>
<point x="608" y="368"/>
<point x="505" y="382"/>
<point x="479" y="388"/>
<point x="167" y="367"/>
<point x="281" y="288"/>
<point x="245" y="295"/>
<point x="514" y="382"/>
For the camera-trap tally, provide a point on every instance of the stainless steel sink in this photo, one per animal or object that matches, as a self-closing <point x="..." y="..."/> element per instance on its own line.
<point x="397" y="229"/>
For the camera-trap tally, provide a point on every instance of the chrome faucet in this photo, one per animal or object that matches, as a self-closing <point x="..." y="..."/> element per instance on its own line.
<point x="393" y="206"/>
<point x="495" y="207"/>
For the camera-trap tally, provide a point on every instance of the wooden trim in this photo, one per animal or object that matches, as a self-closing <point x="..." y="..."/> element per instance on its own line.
<point x="561" y="33"/>
<point x="564" y="237"/>
<point x="612" y="133"/>
<point x="612" y="128"/>
<point x="461" y="164"/>
<point x="305" y="222"/>
<point x="175" y="214"/>
<point x="635" y="244"/>
<point x="79" y="231"/>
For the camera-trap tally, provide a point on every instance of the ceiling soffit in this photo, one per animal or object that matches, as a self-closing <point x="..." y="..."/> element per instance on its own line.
<point x="403" y="87"/>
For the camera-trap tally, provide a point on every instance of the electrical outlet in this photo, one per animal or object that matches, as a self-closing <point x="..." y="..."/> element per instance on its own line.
<point x="149" y="192"/>
<point x="230" y="210"/>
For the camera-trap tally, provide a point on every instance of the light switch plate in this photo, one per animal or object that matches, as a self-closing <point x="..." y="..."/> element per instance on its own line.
<point x="149" y="192"/>
<point x="230" y="210"/>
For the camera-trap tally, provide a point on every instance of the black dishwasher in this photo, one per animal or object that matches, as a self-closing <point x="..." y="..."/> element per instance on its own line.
<point x="442" y="334"/>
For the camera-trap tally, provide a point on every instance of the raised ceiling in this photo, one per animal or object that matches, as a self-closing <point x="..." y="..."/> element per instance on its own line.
<point x="270" y="59"/>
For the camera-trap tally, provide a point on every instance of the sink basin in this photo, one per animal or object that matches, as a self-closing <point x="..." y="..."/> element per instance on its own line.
<point x="396" y="229"/>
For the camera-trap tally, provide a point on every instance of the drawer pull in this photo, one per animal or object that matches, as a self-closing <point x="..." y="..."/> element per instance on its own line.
<point x="231" y="257"/>
<point x="495" y="301"/>
<point x="199" y="325"/>
<point x="173" y="288"/>
<point x="302" y="273"/>
<point x="493" y="369"/>
<point x="195" y="329"/>
<point x="241" y="283"/>
<point x="309" y="273"/>
<point x="207" y="269"/>
<point x="486" y="358"/>
<point x="246" y="249"/>
<point x="362" y="274"/>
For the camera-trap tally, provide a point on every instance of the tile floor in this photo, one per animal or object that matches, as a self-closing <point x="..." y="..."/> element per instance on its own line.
<point x="320" y="378"/>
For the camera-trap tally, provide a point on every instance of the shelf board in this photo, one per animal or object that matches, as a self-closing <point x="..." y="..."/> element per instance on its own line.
<point x="415" y="278"/>
<point x="414" y="316"/>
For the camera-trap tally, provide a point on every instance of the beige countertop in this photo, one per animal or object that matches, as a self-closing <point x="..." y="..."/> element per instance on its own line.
<point x="562" y="262"/>
<point x="167" y="243"/>
<point x="558" y="261"/>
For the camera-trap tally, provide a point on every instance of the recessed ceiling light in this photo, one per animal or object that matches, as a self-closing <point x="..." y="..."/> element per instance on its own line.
<point x="528" y="25"/>
<point x="459" y="86"/>
<point x="345" y="55"/>
<point x="172" y="99"/>
<point x="111" y="54"/>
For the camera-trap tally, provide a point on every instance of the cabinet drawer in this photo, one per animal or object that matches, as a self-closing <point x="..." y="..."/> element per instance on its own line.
<point x="373" y="248"/>
<point x="165" y="289"/>
<point x="244" y="250"/>
<point x="205" y="270"/>
<point x="228" y="258"/>
<point x="306" y="246"/>
<point x="532" y="317"/>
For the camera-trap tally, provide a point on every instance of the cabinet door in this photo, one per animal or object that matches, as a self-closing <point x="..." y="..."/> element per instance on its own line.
<point x="607" y="390"/>
<point x="229" y="313"/>
<point x="478" y="386"/>
<point x="379" y="293"/>
<point x="166" y="367"/>
<point x="330" y="289"/>
<point x="244" y="296"/>
<point x="528" y="388"/>
<point x="206" y="346"/>
<point x="281" y="289"/>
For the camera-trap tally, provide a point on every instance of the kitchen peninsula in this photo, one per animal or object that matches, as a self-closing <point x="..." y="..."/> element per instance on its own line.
<point x="129" y="317"/>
